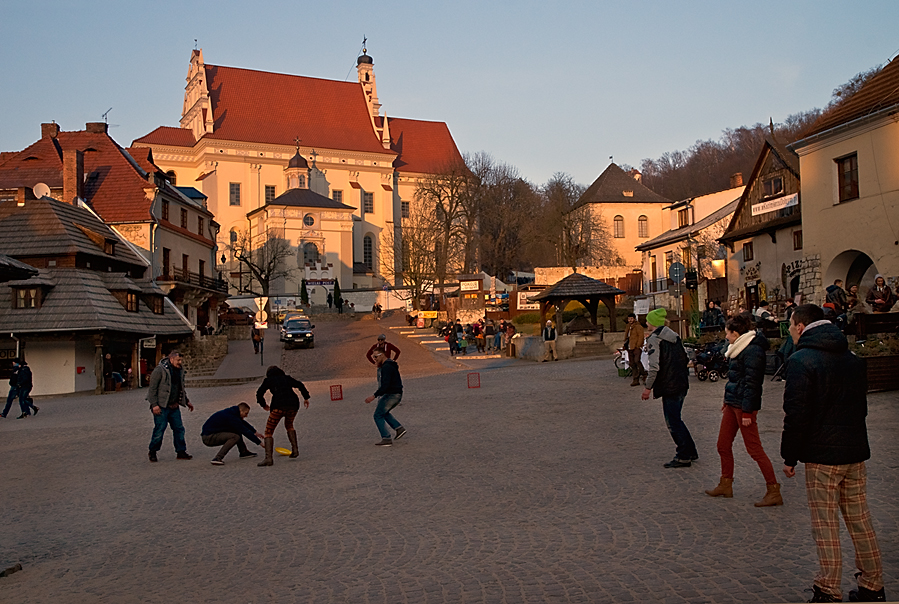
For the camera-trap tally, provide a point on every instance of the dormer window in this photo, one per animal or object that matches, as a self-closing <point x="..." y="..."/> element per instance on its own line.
<point x="627" y="193"/>
<point x="131" y="302"/>
<point x="27" y="297"/>
<point x="158" y="305"/>
<point x="773" y="186"/>
<point x="109" y="247"/>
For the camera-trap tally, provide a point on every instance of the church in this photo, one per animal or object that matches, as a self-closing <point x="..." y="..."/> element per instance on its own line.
<point x="311" y="160"/>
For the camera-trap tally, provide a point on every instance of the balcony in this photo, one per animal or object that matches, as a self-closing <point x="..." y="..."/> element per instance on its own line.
<point x="660" y="285"/>
<point x="176" y="276"/>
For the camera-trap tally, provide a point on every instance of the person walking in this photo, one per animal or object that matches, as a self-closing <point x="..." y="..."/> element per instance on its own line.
<point x="227" y="428"/>
<point x="739" y="413"/>
<point x="24" y="384"/>
<point x="549" y="342"/>
<point x="389" y="395"/>
<point x="286" y="404"/>
<point x="13" y="388"/>
<point x="633" y="343"/>
<point x="258" y="337"/>
<point x="669" y="379"/>
<point x="330" y="300"/>
<point x="825" y="405"/>
<point x="452" y="339"/>
<point x="166" y="395"/>
<point x="384" y="346"/>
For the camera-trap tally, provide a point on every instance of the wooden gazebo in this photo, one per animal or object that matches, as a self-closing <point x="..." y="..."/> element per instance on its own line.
<point x="587" y="291"/>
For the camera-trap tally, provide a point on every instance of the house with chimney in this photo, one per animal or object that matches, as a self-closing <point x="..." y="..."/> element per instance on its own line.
<point x="172" y="229"/>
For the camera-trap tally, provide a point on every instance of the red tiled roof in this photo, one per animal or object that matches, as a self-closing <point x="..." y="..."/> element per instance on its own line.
<point x="880" y="92"/>
<point x="168" y="135"/>
<point x="425" y="147"/>
<point x="39" y="162"/>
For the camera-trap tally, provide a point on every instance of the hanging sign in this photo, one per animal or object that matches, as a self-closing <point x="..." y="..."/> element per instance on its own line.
<point x="775" y="204"/>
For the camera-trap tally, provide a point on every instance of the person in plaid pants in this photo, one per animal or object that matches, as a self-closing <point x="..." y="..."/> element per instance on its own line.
<point x="825" y="403"/>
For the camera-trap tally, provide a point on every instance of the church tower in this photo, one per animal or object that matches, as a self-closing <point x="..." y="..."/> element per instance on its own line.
<point x="196" y="113"/>
<point x="365" y="70"/>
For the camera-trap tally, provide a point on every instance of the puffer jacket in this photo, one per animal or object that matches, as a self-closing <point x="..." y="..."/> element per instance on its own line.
<point x="825" y="401"/>
<point x="745" y="376"/>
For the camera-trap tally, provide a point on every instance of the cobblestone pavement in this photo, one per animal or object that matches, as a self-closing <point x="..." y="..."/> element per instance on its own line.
<point x="544" y="485"/>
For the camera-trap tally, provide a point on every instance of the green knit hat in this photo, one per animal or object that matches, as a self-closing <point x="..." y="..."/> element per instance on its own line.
<point x="656" y="317"/>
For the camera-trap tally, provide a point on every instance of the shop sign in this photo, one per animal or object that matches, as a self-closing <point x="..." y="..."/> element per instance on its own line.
<point x="775" y="204"/>
<point x="523" y="303"/>
<point x="469" y="286"/>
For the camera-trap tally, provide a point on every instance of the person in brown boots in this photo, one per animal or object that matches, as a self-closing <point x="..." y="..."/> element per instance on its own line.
<point x="633" y="343"/>
<point x="742" y="401"/>
<point x="285" y="403"/>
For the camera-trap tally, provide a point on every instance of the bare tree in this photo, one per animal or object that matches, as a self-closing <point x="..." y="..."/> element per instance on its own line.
<point x="409" y="250"/>
<point x="265" y="257"/>
<point x="511" y="225"/>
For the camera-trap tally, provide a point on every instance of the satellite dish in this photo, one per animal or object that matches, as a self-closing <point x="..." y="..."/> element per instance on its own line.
<point x="41" y="190"/>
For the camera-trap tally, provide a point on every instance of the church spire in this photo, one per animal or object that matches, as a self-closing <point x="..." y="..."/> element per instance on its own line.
<point x="365" y="70"/>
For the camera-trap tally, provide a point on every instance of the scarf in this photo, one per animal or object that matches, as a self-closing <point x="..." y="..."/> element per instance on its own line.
<point x="740" y="344"/>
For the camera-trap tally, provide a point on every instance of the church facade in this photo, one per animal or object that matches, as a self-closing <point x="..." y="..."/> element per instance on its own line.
<point x="240" y="129"/>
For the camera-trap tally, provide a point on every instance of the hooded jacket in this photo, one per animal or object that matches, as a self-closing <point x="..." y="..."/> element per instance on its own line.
<point x="668" y="373"/>
<point x="825" y="401"/>
<point x="283" y="395"/>
<point x="160" y="386"/>
<point x="745" y="376"/>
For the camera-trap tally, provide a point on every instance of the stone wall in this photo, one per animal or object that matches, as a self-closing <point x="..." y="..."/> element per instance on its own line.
<point x="810" y="283"/>
<point x="204" y="352"/>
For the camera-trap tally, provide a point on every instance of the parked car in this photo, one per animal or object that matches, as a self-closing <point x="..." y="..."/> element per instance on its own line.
<point x="236" y="316"/>
<point x="297" y="331"/>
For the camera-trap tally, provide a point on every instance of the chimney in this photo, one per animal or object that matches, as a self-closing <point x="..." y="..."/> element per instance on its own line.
<point x="96" y="127"/>
<point x="50" y="130"/>
<point x="736" y="180"/>
<point x="72" y="176"/>
<point x="24" y="194"/>
<point x="635" y="174"/>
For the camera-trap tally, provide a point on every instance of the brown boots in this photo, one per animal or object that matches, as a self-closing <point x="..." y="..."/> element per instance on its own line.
<point x="269" y="449"/>
<point x="725" y="488"/>
<point x="294" y="451"/>
<point x="772" y="497"/>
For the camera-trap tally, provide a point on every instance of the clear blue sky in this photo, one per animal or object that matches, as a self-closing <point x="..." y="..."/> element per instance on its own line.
<point x="542" y="86"/>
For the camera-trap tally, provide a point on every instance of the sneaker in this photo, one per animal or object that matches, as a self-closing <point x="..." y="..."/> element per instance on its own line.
<point x="217" y="462"/>
<point x="820" y="596"/>
<point x="152" y="456"/>
<point x="678" y="463"/>
<point x="384" y="442"/>
<point x="183" y="455"/>
<point x="23" y="416"/>
<point x="36" y="409"/>
<point x="694" y="457"/>
<point x="863" y="594"/>
<point x="399" y="433"/>
<point x="248" y="454"/>
<point x="2" y="415"/>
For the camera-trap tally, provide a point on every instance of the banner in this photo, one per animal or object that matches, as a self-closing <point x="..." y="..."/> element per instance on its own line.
<point x="469" y="286"/>
<point x="523" y="303"/>
<point x="775" y="204"/>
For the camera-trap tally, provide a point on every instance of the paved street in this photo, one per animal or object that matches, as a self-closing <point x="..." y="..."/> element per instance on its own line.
<point x="544" y="485"/>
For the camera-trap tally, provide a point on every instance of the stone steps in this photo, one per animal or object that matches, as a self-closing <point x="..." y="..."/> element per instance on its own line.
<point x="590" y="349"/>
<point x="207" y="382"/>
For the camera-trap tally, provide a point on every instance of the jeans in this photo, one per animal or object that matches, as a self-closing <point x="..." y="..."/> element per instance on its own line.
<point x="170" y="417"/>
<point x="497" y="338"/>
<point x="226" y="440"/>
<point x="671" y="406"/>
<point x="24" y="404"/>
<point x="383" y="418"/>
<point x="13" y="393"/>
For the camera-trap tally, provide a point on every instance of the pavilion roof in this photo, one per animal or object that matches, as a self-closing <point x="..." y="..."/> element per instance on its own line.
<point x="576" y="286"/>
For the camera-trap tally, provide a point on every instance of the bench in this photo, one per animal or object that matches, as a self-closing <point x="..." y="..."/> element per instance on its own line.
<point x="876" y="323"/>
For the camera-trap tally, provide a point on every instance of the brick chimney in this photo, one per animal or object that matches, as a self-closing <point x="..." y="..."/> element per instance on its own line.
<point x="97" y="127"/>
<point x="72" y="176"/>
<point x="736" y="180"/>
<point x="49" y="130"/>
<point x="23" y="194"/>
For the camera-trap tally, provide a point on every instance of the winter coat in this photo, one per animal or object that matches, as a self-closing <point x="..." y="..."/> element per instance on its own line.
<point x="825" y="401"/>
<point x="160" y="387"/>
<point x="549" y="334"/>
<point x="283" y="395"/>
<point x="23" y="378"/>
<point x="634" y="336"/>
<point x="229" y="420"/>
<point x="745" y="376"/>
<point x="389" y="380"/>
<point x="881" y="300"/>
<point x="837" y="297"/>
<point x="668" y="374"/>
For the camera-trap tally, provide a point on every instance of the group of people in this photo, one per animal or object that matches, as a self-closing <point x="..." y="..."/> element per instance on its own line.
<point x="484" y="334"/>
<point x="843" y="306"/>
<point x="20" y="385"/>
<point x="825" y="406"/>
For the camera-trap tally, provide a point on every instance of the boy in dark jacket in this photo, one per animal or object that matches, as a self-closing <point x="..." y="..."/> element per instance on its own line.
<point x="669" y="378"/>
<point x="284" y="404"/>
<point x="825" y="403"/>
<point x="390" y="389"/>
<point x="227" y="428"/>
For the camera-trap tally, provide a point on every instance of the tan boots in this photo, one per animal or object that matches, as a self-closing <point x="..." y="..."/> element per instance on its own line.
<point x="294" y="450"/>
<point x="269" y="449"/>
<point x="772" y="497"/>
<point x="725" y="488"/>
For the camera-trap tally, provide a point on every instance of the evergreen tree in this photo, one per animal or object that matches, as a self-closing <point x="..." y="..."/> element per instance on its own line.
<point x="338" y="299"/>
<point x="304" y="294"/>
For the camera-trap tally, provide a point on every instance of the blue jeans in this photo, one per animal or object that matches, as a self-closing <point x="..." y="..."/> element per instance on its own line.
<point x="383" y="418"/>
<point x="24" y="404"/>
<point x="672" y="405"/>
<point x="170" y="417"/>
<point x="497" y="340"/>
<point x="13" y="393"/>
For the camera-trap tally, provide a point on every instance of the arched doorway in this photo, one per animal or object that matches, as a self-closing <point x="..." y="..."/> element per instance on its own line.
<point x="853" y="267"/>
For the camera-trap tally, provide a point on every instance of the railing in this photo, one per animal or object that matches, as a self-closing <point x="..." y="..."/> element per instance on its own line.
<point x="196" y="279"/>
<point x="660" y="285"/>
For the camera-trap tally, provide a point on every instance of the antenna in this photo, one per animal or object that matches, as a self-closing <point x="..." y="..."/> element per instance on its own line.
<point x="195" y="43"/>
<point x="105" y="117"/>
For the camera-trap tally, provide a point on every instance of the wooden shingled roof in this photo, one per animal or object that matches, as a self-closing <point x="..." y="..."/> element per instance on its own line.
<point x="615" y="185"/>
<point x="575" y="286"/>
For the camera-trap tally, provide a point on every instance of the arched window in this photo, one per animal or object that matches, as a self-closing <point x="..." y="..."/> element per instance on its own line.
<point x="367" y="258"/>
<point x="643" y="227"/>
<point x="301" y="183"/>
<point x="619" y="227"/>
<point x="310" y="254"/>
<point x="233" y="236"/>
<point x="172" y="177"/>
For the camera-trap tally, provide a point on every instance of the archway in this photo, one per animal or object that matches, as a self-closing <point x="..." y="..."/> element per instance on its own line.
<point x="853" y="267"/>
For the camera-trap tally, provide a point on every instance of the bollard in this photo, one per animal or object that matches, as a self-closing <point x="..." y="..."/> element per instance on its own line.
<point x="474" y="380"/>
<point x="337" y="393"/>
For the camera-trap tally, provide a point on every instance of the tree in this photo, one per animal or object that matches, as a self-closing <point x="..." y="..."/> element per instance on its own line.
<point x="844" y="92"/>
<point x="304" y="293"/>
<point x="265" y="257"/>
<point x="338" y="299"/>
<point x="409" y="250"/>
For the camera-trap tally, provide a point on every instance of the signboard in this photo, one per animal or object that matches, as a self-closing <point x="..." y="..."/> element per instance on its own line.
<point x="641" y="307"/>
<point x="523" y="303"/>
<point x="310" y="282"/>
<point x="492" y="286"/>
<point x="676" y="272"/>
<point x="427" y="314"/>
<point x="149" y="343"/>
<point x="469" y="286"/>
<point x="261" y="325"/>
<point x="420" y="323"/>
<point x="261" y="301"/>
<point x="780" y="203"/>
<point x="261" y="316"/>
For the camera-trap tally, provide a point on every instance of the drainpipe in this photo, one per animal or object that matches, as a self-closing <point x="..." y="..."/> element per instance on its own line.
<point x="13" y="336"/>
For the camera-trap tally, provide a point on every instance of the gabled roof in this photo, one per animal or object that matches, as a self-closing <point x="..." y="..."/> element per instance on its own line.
<point x="11" y="269"/>
<point x="682" y="233"/>
<point x="613" y="186"/>
<point x="879" y="93"/>
<point x="422" y="147"/>
<point x="169" y="135"/>
<point x="304" y="198"/>
<point x="577" y="285"/>
<point x="39" y="162"/>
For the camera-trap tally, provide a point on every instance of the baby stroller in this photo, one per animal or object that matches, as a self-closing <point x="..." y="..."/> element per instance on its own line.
<point x="710" y="363"/>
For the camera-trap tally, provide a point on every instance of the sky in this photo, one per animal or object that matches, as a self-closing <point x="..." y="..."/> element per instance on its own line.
<point x="544" y="87"/>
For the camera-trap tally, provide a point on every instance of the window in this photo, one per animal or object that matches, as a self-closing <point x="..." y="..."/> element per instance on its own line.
<point x="669" y="260"/>
<point x="310" y="254"/>
<point x="747" y="251"/>
<point x="109" y="247"/>
<point x="234" y="193"/>
<point x="301" y="181"/>
<point x="27" y="298"/>
<point x="367" y="252"/>
<point x="201" y="224"/>
<point x="797" y="240"/>
<point x="404" y="209"/>
<point x="368" y="203"/>
<point x="337" y="196"/>
<point x="269" y="193"/>
<point x="158" y="305"/>
<point x="185" y="266"/>
<point x="686" y="258"/>
<point x="309" y="220"/>
<point x="619" y="227"/>
<point x="131" y="302"/>
<point x="848" y="176"/>
<point x="173" y="178"/>
<point x="653" y="268"/>
<point x="202" y="269"/>
<point x="233" y="236"/>
<point x="165" y="209"/>
<point x="643" y="227"/>
<point x="183" y="218"/>
<point x="166" y="261"/>
<point x="773" y="186"/>
<point x="683" y="218"/>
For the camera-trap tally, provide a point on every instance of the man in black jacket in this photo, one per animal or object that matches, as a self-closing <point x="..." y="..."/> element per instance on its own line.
<point x="390" y="389"/>
<point x="24" y="384"/>
<point x="825" y="404"/>
<point x="227" y="428"/>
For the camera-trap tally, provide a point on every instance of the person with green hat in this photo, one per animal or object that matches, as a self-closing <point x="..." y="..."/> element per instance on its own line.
<point x="669" y="379"/>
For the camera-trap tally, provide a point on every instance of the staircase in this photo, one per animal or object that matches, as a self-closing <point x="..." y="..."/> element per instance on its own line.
<point x="590" y="348"/>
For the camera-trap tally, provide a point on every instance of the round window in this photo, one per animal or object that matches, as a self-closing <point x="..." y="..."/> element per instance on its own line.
<point x="309" y="220"/>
